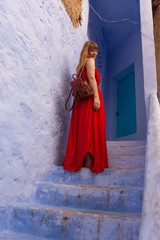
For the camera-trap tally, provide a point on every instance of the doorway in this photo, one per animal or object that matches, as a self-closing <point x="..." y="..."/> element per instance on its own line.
<point x="126" y="104"/>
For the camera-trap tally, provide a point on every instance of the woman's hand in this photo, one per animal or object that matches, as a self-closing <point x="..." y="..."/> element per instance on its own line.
<point x="96" y="103"/>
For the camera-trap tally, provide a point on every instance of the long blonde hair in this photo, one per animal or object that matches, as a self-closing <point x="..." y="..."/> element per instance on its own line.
<point x="85" y="54"/>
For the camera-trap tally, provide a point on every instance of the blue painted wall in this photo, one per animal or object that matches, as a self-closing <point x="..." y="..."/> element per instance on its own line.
<point x="120" y="45"/>
<point x="129" y="52"/>
<point x="102" y="60"/>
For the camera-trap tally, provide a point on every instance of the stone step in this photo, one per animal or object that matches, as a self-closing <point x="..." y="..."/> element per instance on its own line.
<point x="109" y="177"/>
<point x="60" y="224"/>
<point x="126" y="143"/>
<point x="8" y="235"/>
<point x="123" y="161"/>
<point x="98" y="198"/>
<point x="126" y="150"/>
<point x="126" y="161"/>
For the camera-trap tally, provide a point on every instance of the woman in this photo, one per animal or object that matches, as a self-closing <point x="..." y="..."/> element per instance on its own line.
<point x="87" y="133"/>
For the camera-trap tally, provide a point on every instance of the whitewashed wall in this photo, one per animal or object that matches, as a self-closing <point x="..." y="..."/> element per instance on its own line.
<point x="150" y="228"/>
<point x="39" y="50"/>
<point x="148" y="51"/>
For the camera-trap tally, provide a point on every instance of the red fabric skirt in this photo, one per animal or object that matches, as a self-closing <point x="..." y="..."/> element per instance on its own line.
<point x="87" y="134"/>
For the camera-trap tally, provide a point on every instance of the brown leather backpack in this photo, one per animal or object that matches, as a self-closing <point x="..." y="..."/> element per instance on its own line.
<point x="80" y="89"/>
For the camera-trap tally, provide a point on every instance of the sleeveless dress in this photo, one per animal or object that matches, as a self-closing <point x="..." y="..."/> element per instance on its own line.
<point x="87" y="133"/>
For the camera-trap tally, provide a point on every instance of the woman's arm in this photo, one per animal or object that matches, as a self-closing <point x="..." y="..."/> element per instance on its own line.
<point x="92" y="81"/>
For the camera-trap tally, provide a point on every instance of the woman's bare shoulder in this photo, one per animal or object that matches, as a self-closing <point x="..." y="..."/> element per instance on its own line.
<point x="90" y="62"/>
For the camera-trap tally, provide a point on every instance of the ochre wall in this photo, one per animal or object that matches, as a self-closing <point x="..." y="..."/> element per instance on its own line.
<point x="157" y="43"/>
<point x="74" y="9"/>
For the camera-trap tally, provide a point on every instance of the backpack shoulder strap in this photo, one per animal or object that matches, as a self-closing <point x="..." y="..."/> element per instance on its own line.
<point x="68" y="110"/>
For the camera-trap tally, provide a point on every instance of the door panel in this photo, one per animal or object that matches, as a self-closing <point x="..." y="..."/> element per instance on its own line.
<point x="126" y="106"/>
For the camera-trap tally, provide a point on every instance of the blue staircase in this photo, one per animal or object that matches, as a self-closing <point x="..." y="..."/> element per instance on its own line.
<point x="84" y="205"/>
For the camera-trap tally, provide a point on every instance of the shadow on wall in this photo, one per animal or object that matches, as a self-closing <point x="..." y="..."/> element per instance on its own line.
<point x="63" y="117"/>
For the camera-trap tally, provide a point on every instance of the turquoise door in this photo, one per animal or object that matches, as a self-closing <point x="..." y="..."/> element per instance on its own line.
<point x="126" y="106"/>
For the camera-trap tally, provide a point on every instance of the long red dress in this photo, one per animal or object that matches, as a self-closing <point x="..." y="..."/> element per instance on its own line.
<point x="87" y="133"/>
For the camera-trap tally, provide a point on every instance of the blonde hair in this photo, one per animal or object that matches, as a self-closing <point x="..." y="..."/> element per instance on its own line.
<point x="85" y="54"/>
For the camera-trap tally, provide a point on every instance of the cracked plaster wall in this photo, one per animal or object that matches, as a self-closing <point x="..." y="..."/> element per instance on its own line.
<point x="39" y="52"/>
